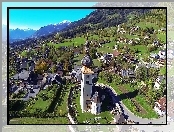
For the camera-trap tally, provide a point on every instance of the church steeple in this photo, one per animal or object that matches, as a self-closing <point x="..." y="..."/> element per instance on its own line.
<point x="87" y="60"/>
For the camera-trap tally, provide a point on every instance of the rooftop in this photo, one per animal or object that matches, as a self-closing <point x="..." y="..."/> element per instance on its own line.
<point x="86" y="70"/>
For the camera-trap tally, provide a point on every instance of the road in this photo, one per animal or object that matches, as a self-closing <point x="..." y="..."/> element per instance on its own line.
<point x="127" y="112"/>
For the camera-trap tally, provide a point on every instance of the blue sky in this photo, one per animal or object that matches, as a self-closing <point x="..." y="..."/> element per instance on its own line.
<point x="30" y="18"/>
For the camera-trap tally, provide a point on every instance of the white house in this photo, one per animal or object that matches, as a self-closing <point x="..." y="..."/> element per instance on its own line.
<point x="162" y="54"/>
<point x="158" y="82"/>
<point x="160" y="106"/>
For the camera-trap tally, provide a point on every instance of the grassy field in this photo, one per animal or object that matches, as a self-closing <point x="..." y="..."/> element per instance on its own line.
<point x="162" y="71"/>
<point x="142" y="101"/>
<point x="139" y="98"/>
<point x="24" y="53"/>
<point x="40" y="103"/>
<point x="77" y="41"/>
<point x="43" y="105"/>
<point x="147" y="24"/>
<point x="63" y="105"/>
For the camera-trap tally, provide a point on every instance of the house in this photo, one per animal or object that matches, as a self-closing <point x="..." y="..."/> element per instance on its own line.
<point x="23" y="75"/>
<point x="162" y="54"/>
<point x="76" y="73"/>
<point x="160" y="106"/>
<point x="128" y="73"/>
<point x="116" y="53"/>
<point x="106" y="58"/>
<point x="156" y="43"/>
<point x="148" y="65"/>
<point x="158" y="82"/>
<point x="13" y="88"/>
<point x="155" y="56"/>
<point x="26" y="64"/>
<point x="56" y="79"/>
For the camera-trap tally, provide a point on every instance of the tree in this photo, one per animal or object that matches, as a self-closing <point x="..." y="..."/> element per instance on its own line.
<point x="116" y="79"/>
<point x="93" y="52"/>
<point x="153" y="73"/>
<point x="41" y="67"/>
<point x="142" y="73"/>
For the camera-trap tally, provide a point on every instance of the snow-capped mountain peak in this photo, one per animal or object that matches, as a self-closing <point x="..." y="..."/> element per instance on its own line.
<point x="65" y="21"/>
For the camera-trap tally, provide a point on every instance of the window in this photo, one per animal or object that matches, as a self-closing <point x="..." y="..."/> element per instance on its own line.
<point x="87" y="82"/>
<point x="87" y="76"/>
<point x="87" y="94"/>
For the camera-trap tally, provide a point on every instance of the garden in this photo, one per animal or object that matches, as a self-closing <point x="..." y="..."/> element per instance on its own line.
<point x="49" y="107"/>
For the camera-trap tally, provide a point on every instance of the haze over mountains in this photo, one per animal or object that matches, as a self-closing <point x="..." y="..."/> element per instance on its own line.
<point x="46" y="30"/>
<point x="21" y="34"/>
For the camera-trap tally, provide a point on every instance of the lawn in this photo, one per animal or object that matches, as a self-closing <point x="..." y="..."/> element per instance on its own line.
<point x="142" y="101"/>
<point x="162" y="37"/>
<point x="147" y="24"/>
<point x="40" y="103"/>
<point x="44" y="105"/>
<point x="162" y="70"/>
<point x="139" y="98"/>
<point x="24" y="53"/>
<point x="77" y="41"/>
<point x="88" y="116"/>
<point x="63" y="104"/>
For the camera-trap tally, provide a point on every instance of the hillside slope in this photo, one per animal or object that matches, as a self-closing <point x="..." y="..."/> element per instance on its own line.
<point x="99" y="19"/>
<point x="49" y="29"/>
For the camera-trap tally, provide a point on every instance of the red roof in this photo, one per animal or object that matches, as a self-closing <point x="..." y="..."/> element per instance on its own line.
<point x="162" y="103"/>
<point x="116" y="53"/>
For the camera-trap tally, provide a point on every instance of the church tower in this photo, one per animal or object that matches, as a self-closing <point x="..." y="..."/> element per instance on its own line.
<point x="86" y="80"/>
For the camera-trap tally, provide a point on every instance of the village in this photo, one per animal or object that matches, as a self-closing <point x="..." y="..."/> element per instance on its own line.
<point x="113" y="60"/>
<point x="107" y="68"/>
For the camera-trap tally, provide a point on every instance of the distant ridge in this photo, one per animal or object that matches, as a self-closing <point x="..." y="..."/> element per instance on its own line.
<point x="51" y="28"/>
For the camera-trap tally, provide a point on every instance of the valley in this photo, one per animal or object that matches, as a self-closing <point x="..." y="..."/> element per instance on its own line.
<point x="126" y="55"/>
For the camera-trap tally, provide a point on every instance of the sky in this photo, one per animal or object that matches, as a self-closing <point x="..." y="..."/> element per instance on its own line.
<point x="36" y="18"/>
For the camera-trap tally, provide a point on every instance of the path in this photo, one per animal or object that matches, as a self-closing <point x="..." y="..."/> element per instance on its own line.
<point x="130" y="115"/>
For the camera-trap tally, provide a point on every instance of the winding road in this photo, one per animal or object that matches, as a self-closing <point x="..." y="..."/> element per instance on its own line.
<point x="127" y="112"/>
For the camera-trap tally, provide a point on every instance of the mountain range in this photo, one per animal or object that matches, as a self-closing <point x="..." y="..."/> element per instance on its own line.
<point x="22" y="34"/>
<point x="46" y="30"/>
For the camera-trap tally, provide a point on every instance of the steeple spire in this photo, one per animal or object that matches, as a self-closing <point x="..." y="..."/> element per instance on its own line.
<point x="87" y="60"/>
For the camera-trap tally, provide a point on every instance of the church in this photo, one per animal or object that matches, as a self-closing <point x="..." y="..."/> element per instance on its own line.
<point x="90" y="98"/>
